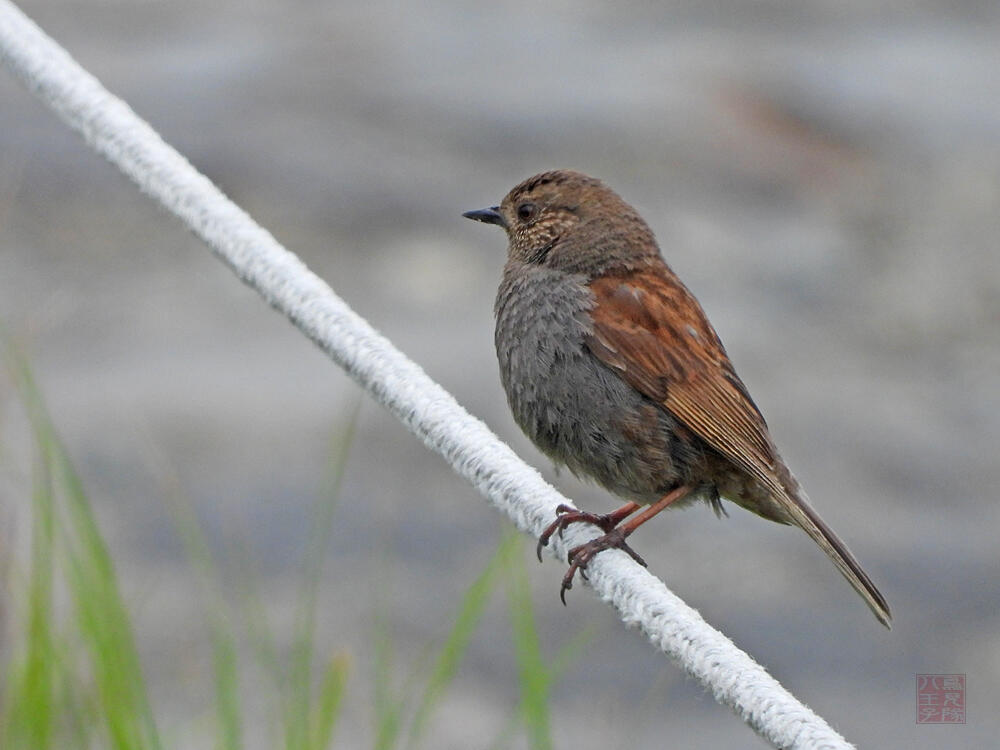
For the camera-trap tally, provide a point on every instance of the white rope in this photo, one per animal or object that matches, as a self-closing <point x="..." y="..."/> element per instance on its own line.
<point x="110" y="127"/>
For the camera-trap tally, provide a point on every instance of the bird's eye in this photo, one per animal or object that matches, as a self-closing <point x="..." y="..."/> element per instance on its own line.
<point x="526" y="211"/>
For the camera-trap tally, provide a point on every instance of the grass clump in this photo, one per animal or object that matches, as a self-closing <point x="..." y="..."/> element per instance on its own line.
<point x="72" y="672"/>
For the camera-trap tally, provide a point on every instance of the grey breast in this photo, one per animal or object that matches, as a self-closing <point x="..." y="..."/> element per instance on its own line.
<point x="571" y="405"/>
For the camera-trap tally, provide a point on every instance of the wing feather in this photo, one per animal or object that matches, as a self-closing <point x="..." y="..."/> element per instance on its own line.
<point x="651" y="329"/>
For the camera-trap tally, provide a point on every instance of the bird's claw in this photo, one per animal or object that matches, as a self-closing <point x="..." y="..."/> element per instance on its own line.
<point x="580" y="557"/>
<point x="567" y="514"/>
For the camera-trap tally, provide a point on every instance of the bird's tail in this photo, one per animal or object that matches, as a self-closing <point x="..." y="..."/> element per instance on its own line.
<point x="804" y="516"/>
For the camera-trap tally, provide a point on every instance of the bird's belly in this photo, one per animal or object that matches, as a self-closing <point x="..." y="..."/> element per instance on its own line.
<point x="576" y="409"/>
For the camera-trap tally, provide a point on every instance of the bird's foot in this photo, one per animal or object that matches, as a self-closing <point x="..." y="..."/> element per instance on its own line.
<point x="580" y="557"/>
<point x="565" y="515"/>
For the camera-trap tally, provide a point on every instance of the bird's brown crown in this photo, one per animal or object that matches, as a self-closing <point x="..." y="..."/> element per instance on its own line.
<point x="569" y="221"/>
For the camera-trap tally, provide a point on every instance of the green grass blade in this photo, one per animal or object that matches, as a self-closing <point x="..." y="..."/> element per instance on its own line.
<point x="533" y="675"/>
<point x="328" y="702"/>
<point x="388" y="708"/>
<point x="227" y="693"/>
<point x="30" y="712"/>
<point x="225" y="663"/>
<point x="100" y="615"/>
<point x="252" y="611"/>
<point x="299" y="703"/>
<point x="104" y="622"/>
<point x="470" y="612"/>
<point x="570" y="651"/>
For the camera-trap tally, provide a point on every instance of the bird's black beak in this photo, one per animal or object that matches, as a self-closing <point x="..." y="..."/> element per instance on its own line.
<point x="487" y="216"/>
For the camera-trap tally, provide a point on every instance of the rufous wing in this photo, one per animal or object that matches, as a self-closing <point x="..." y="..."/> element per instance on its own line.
<point x="648" y="327"/>
<point x="651" y="329"/>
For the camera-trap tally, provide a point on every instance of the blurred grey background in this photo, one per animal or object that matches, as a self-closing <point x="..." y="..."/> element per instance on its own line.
<point x="825" y="176"/>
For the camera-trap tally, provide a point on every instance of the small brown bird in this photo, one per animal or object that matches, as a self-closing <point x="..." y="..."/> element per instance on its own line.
<point x="612" y="369"/>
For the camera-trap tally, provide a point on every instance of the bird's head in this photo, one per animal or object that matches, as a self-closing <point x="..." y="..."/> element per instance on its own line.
<point x="566" y="220"/>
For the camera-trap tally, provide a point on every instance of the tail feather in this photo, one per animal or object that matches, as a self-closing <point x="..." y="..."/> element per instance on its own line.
<point x="803" y="515"/>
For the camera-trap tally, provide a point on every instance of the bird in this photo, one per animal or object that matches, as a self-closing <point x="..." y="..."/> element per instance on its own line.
<point x="613" y="370"/>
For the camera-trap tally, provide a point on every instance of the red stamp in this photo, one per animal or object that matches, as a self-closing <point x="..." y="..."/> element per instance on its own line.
<point x="940" y="699"/>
